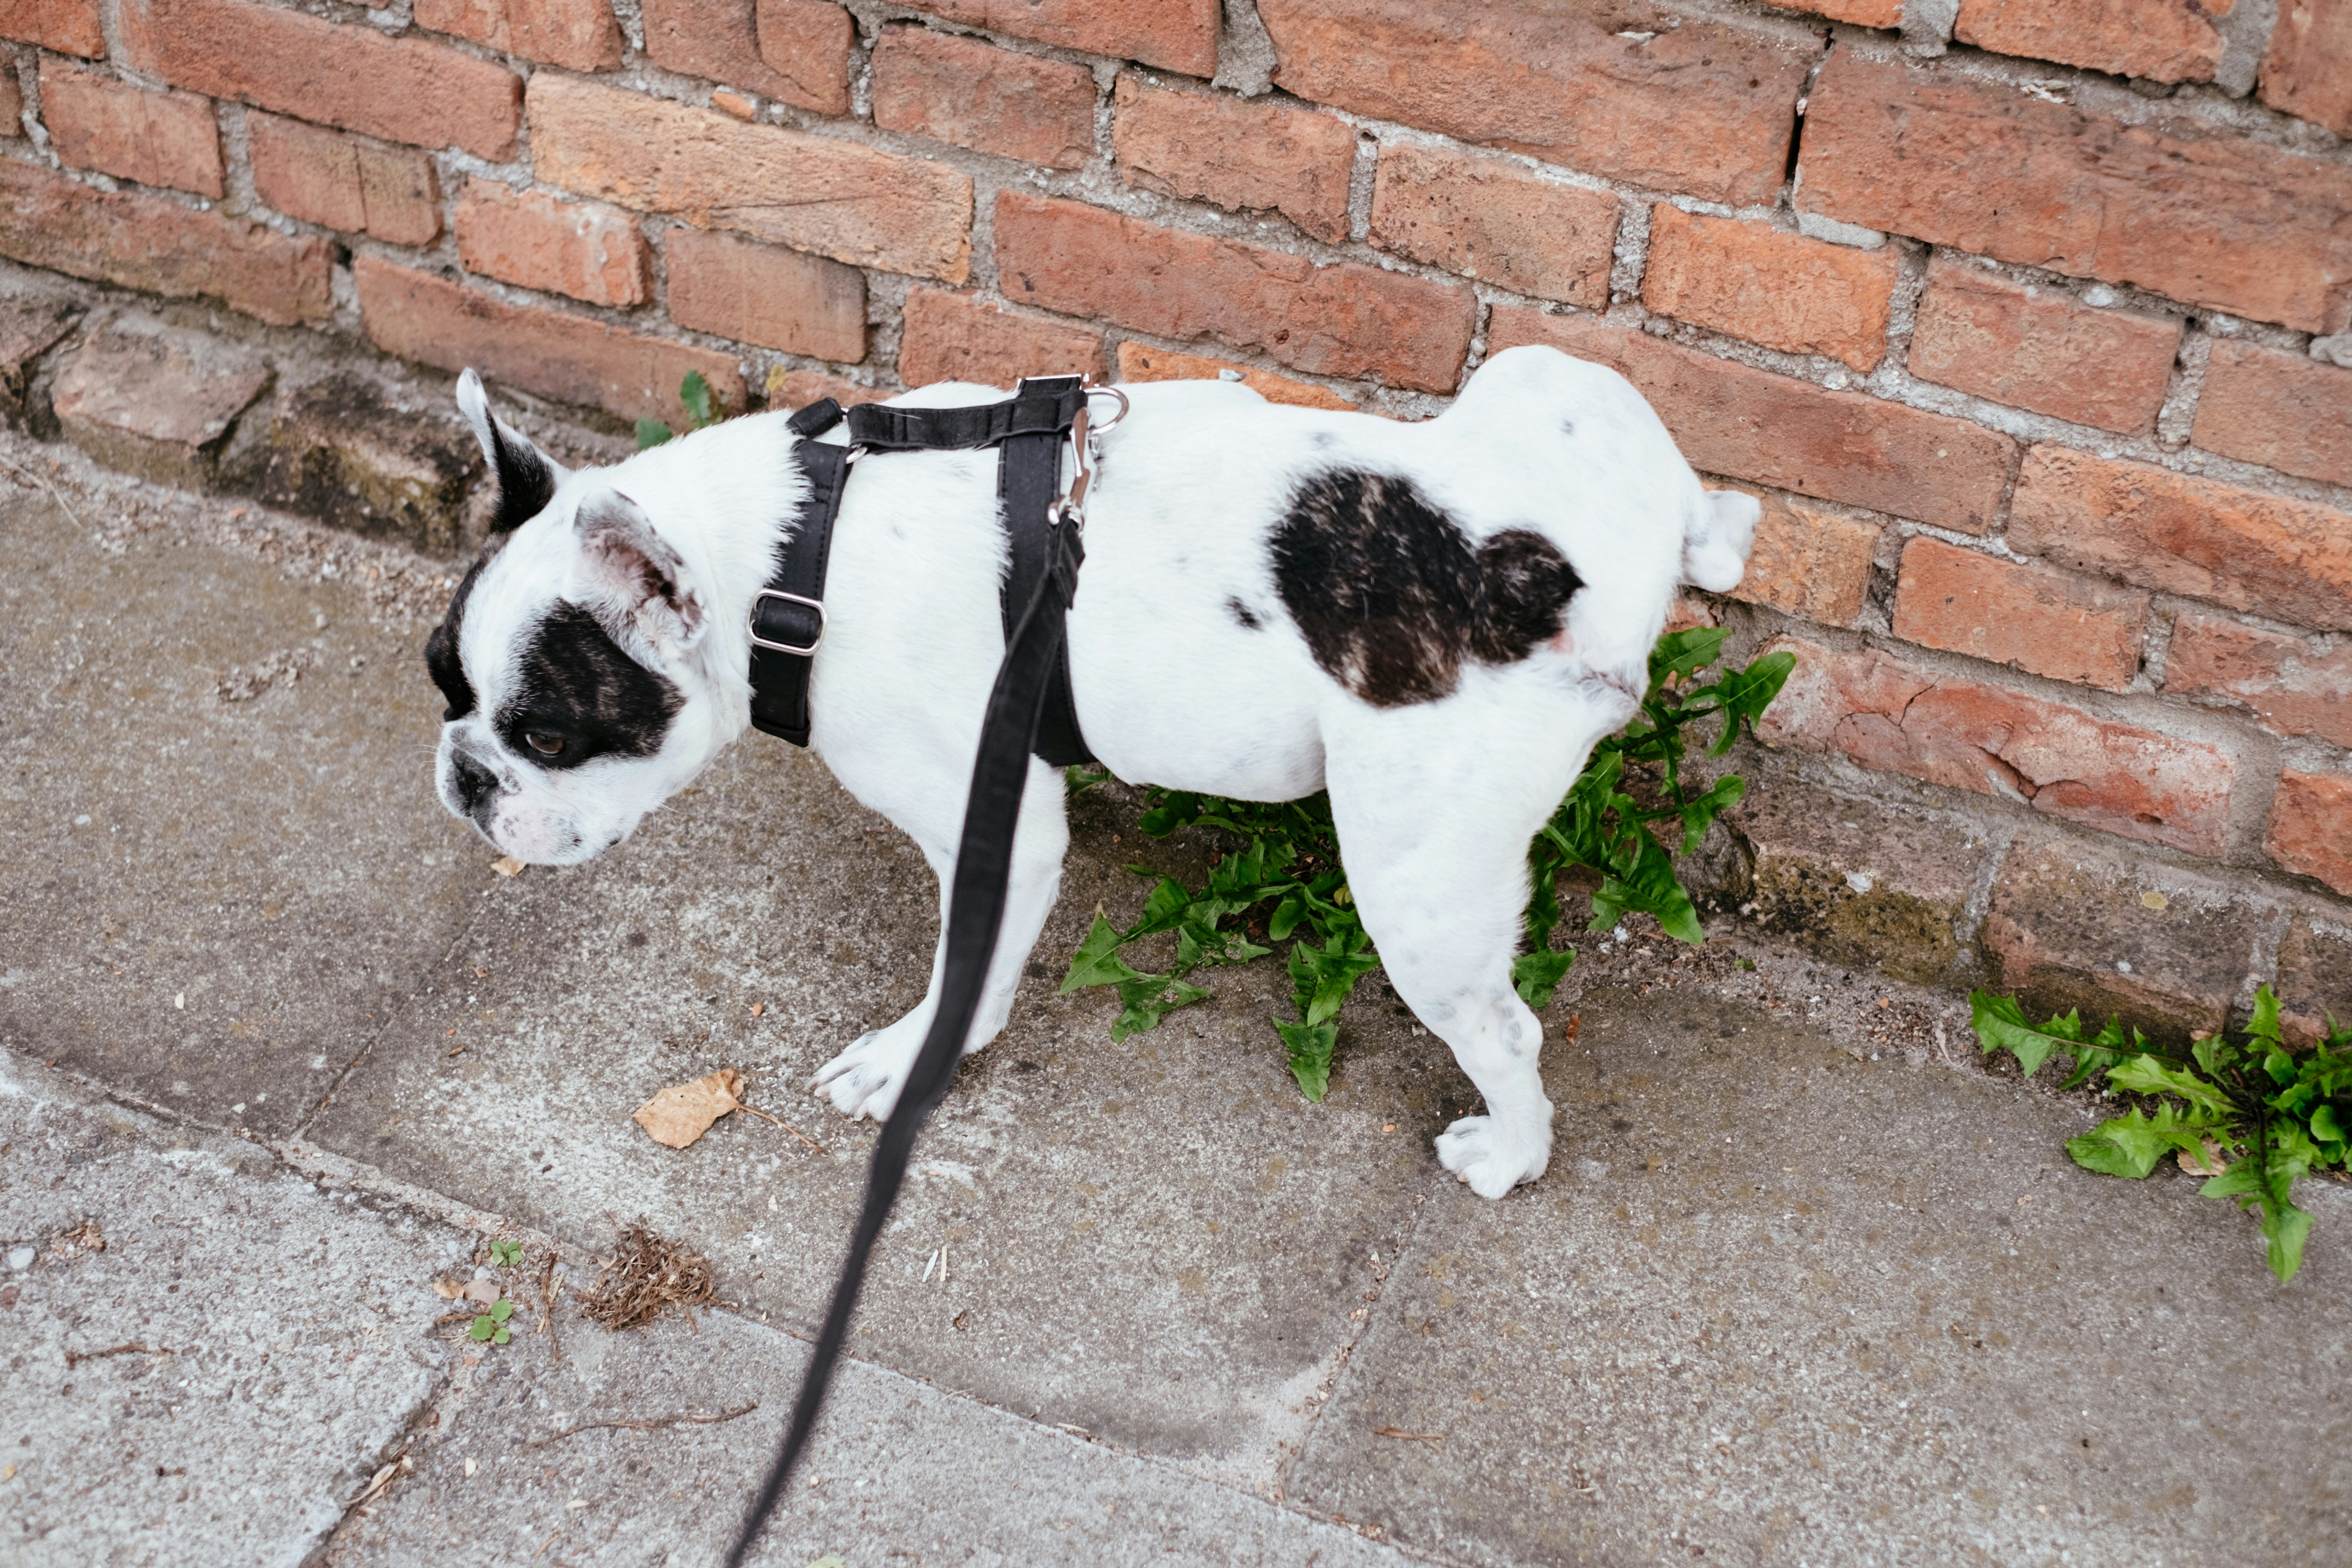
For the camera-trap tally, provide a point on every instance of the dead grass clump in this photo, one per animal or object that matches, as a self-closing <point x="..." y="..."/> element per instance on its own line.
<point x="648" y="1273"/>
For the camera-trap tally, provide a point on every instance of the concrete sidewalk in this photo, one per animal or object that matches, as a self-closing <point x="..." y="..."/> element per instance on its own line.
<point x="1799" y="1287"/>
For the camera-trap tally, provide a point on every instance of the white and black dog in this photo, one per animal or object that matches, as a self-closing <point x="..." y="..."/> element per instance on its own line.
<point x="1433" y="621"/>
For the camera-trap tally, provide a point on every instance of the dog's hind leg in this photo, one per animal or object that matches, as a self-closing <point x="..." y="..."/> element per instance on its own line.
<point x="1434" y="816"/>
<point x="864" y="1079"/>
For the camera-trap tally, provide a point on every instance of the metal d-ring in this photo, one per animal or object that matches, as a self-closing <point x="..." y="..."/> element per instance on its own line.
<point x="1093" y="392"/>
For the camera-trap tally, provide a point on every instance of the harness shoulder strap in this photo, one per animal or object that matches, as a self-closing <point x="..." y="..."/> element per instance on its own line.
<point x="1028" y="479"/>
<point x="788" y="617"/>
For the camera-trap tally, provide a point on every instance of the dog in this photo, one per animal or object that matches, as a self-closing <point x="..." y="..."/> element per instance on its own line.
<point x="1433" y="621"/>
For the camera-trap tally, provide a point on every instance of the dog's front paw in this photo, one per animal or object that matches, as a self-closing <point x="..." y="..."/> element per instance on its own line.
<point x="864" y="1079"/>
<point x="1491" y="1157"/>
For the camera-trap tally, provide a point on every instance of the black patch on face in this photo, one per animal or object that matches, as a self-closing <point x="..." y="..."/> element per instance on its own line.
<point x="1390" y="597"/>
<point x="526" y="482"/>
<point x="576" y="685"/>
<point x="1244" y="616"/>
<point x="441" y="652"/>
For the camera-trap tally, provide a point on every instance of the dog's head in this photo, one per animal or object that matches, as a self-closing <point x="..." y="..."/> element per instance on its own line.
<point x="575" y="657"/>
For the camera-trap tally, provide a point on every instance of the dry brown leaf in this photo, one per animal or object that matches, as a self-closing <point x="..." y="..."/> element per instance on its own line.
<point x="507" y="866"/>
<point x="684" y="1112"/>
<point x="448" y="1290"/>
<point x="2211" y="1165"/>
<point x="482" y="1292"/>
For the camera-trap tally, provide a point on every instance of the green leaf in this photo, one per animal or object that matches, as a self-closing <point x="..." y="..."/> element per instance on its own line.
<point x="2324" y="1125"/>
<point x="483" y="1328"/>
<point x="1286" y="915"/>
<point x="695" y="393"/>
<point x="2265" y="1025"/>
<point x="1536" y="975"/>
<point x="651" y="433"/>
<point x="1077" y="780"/>
<point x="2213" y="1053"/>
<point x="501" y="1335"/>
<point x="1097" y="962"/>
<point x="1174" y="811"/>
<point x="2131" y="1146"/>
<point x="1323" y="976"/>
<point x="1746" y="693"/>
<point x="2145" y="1075"/>
<point x="1163" y="910"/>
<point x="1310" y="1047"/>
<point x="501" y="1310"/>
<point x="1148" y="998"/>
<point x="1700" y="814"/>
<point x="2285" y="1229"/>
<point x="2000" y="1025"/>
<point x="1678" y="654"/>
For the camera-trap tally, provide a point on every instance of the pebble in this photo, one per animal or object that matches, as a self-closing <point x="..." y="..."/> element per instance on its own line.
<point x="21" y="1258"/>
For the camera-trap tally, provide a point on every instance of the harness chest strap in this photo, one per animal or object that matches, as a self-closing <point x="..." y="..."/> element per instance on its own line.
<point x="788" y="617"/>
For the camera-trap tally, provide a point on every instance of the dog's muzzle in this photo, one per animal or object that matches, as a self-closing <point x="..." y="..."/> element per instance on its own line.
<point x="475" y="785"/>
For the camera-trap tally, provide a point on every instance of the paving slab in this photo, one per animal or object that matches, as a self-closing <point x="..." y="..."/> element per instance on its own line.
<point x="217" y="830"/>
<point x="900" y="1472"/>
<point x="1778" y="1303"/>
<point x="1160" y="1242"/>
<point x="207" y="1356"/>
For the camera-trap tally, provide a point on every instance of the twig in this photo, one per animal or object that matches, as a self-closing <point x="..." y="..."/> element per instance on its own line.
<point x="642" y="1426"/>
<point x="547" y="1289"/>
<point x="785" y="1125"/>
<point x="1435" y="1439"/>
<point x="75" y="1358"/>
<point x="42" y="481"/>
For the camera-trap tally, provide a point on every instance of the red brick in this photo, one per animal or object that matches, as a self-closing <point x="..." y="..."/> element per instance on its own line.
<point x="579" y="35"/>
<point x="12" y="105"/>
<point x="418" y="316"/>
<point x="2311" y="826"/>
<point x="1861" y="12"/>
<point x="2179" y="534"/>
<point x="1346" y="320"/>
<point x="154" y="137"/>
<point x="989" y="99"/>
<point x="403" y="89"/>
<point x="1179" y="35"/>
<point x="2309" y="71"/>
<point x="328" y="178"/>
<point x="2160" y="40"/>
<point x="158" y="246"/>
<point x="1806" y="562"/>
<point x="1898" y="717"/>
<point x="1775" y="430"/>
<point x="2031" y="617"/>
<point x="961" y="337"/>
<point x="2293" y="688"/>
<point x="796" y="51"/>
<point x="2282" y="410"/>
<point x="1139" y="361"/>
<point x="1673" y="101"/>
<point x="2039" y="349"/>
<point x="1496" y="221"/>
<point x="69" y="26"/>
<point x="1783" y="290"/>
<point x="1235" y="154"/>
<point x="857" y="205"/>
<point x="2315" y="972"/>
<point x="585" y="249"/>
<point x="2189" y="210"/>
<point x="763" y="294"/>
<point x="796" y="389"/>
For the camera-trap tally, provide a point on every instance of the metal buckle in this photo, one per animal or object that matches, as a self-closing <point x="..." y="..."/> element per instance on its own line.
<point x="751" y="624"/>
<point x="1093" y="392"/>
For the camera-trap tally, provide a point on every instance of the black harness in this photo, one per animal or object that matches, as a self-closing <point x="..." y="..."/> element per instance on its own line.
<point x="1029" y="712"/>
<point x="788" y="617"/>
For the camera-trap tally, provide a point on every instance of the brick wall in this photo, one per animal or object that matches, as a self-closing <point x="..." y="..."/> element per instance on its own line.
<point x="2031" y="324"/>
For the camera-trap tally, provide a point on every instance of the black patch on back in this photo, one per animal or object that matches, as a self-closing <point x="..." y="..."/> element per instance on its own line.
<point x="574" y="682"/>
<point x="441" y="651"/>
<point x="526" y="482"/>
<point x="1390" y="597"/>
<point x="1244" y="616"/>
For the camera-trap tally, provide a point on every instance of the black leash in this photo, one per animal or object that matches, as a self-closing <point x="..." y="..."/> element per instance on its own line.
<point x="1034" y="659"/>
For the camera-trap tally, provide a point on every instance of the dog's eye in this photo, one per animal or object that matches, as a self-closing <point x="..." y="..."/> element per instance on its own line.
<point x="545" y="745"/>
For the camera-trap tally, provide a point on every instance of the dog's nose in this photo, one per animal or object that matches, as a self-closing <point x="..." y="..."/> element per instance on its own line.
<point x="477" y="786"/>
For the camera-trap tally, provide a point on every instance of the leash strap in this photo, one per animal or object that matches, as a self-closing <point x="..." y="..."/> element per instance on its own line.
<point x="788" y="617"/>
<point x="975" y="915"/>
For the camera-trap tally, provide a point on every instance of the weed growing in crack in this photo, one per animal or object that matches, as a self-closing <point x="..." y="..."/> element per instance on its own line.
<point x="2252" y="1115"/>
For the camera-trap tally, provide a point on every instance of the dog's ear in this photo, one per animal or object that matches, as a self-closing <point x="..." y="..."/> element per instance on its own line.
<point x="527" y="476"/>
<point x="1715" y="542"/>
<point x="629" y="578"/>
